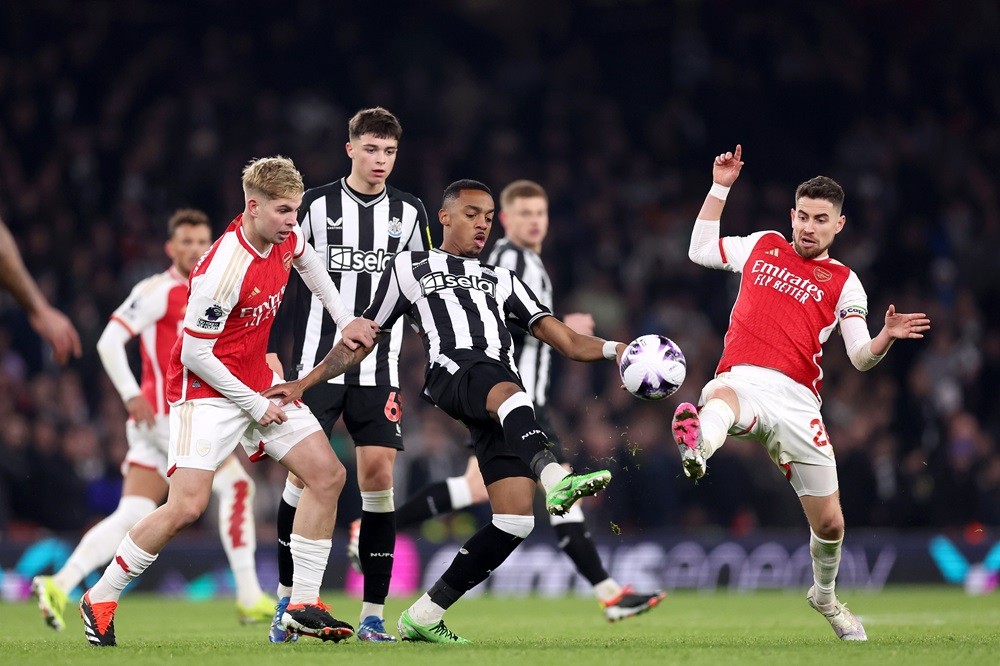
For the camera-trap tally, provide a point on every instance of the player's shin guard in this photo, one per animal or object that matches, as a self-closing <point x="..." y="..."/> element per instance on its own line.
<point x="376" y="545"/>
<point x="310" y="556"/>
<point x="483" y="553"/>
<point x="575" y="541"/>
<point x="716" y="418"/>
<point x="826" y="564"/>
<point x="129" y="562"/>
<point x="286" y="517"/>
<point x="235" y="490"/>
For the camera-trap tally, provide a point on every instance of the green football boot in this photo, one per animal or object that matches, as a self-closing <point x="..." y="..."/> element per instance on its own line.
<point x="428" y="633"/>
<point x="51" y="601"/>
<point x="565" y="493"/>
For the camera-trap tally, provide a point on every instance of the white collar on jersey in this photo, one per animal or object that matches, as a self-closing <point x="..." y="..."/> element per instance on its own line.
<point x="361" y="202"/>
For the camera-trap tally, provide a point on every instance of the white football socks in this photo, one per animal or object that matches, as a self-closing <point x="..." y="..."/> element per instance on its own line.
<point x="129" y="562"/>
<point x="234" y="490"/>
<point x="552" y="474"/>
<point x="459" y="492"/>
<point x="424" y="611"/>
<point x="309" y="557"/>
<point x="608" y="590"/>
<point x="826" y="564"/>
<point x="716" y="419"/>
<point x="98" y="545"/>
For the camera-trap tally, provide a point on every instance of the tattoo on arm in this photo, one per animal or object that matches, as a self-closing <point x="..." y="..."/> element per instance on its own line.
<point x="340" y="359"/>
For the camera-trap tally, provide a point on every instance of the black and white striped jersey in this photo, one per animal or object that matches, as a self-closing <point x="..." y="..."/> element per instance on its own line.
<point x="462" y="307"/>
<point x="357" y="236"/>
<point x="533" y="357"/>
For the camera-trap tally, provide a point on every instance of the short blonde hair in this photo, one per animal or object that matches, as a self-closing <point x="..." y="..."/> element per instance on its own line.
<point x="521" y="189"/>
<point x="273" y="177"/>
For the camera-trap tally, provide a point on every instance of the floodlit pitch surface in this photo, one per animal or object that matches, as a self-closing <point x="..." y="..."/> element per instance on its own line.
<point x="926" y="625"/>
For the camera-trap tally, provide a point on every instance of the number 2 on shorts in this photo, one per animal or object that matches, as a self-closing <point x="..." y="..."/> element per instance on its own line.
<point x="819" y="438"/>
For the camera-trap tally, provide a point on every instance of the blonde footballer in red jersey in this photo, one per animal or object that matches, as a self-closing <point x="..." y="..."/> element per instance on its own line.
<point x="154" y="311"/>
<point x="792" y="296"/>
<point x="216" y="373"/>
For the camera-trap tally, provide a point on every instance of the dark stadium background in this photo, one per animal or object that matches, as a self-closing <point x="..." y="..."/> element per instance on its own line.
<point x="114" y="114"/>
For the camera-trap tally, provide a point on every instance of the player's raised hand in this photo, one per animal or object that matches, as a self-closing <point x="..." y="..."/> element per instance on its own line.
<point x="727" y="166"/>
<point x="360" y="332"/>
<point x="902" y="326"/>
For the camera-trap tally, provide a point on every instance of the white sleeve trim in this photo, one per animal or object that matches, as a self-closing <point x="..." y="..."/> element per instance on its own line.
<point x="111" y="349"/>
<point x="199" y="356"/>
<point x="858" y="342"/>
<point x="316" y="277"/>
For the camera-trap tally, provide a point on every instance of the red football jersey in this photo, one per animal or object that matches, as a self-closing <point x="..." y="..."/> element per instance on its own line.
<point x="235" y="292"/>
<point x="787" y="306"/>
<point x="154" y="311"/>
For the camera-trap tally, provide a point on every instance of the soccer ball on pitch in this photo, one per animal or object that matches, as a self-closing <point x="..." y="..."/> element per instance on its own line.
<point x="653" y="367"/>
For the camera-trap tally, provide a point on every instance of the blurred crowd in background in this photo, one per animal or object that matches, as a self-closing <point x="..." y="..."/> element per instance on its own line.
<point x="115" y="114"/>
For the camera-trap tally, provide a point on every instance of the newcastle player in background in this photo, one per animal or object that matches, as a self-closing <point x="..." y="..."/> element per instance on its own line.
<point x="356" y="224"/>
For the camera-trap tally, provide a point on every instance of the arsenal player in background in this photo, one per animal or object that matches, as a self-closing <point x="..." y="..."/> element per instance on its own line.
<point x="792" y="296"/>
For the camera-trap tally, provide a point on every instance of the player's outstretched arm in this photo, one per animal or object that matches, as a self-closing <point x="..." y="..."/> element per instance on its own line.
<point x="354" y="331"/>
<point x="899" y="326"/>
<point x="864" y="351"/>
<point x="703" y="249"/>
<point x="53" y="326"/>
<point x="571" y="344"/>
<point x="337" y="361"/>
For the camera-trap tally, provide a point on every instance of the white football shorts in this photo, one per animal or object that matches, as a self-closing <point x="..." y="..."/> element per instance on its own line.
<point x="204" y="431"/>
<point x="147" y="447"/>
<point x="784" y="416"/>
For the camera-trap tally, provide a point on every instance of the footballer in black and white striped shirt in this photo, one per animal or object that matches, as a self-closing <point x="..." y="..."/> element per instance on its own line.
<point x="524" y="213"/>
<point x="357" y="224"/>
<point x="463" y="307"/>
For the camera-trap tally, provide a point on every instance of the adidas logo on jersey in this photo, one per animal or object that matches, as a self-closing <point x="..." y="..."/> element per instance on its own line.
<point x="773" y="252"/>
<point x="339" y="223"/>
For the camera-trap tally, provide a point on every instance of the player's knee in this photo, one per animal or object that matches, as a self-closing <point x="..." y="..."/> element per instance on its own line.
<point x="375" y="477"/>
<point x="515" y="525"/>
<point x="327" y="483"/>
<point x="185" y="511"/>
<point x="830" y="527"/>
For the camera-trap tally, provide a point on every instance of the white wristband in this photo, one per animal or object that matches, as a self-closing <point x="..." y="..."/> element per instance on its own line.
<point x="719" y="191"/>
<point x="610" y="350"/>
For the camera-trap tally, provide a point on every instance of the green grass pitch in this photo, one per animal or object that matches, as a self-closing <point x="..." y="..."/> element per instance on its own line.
<point x="927" y="625"/>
